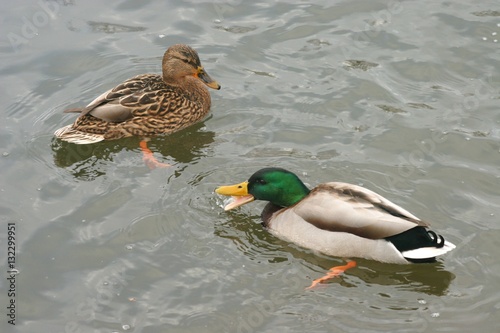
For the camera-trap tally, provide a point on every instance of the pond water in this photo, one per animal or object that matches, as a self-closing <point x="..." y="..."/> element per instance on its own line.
<point x="401" y="97"/>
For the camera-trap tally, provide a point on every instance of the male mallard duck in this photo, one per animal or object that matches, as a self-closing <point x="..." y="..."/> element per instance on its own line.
<point x="338" y="219"/>
<point x="147" y="104"/>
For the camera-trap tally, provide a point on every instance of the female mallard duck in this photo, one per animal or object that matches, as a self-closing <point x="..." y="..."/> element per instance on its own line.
<point x="338" y="219"/>
<point x="147" y="104"/>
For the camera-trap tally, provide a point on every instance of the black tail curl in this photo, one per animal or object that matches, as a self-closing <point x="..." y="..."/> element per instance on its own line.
<point x="437" y="240"/>
<point x="416" y="238"/>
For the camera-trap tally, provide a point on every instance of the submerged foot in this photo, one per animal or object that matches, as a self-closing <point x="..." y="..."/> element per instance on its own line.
<point x="149" y="159"/>
<point x="332" y="272"/>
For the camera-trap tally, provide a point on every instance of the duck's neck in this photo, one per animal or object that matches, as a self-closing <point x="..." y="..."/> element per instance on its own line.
<point x="294" y="194"/>
<point x="193" y="89"/>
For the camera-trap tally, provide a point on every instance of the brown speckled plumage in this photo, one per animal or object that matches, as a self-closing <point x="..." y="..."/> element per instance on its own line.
<point x="147" y="104"/>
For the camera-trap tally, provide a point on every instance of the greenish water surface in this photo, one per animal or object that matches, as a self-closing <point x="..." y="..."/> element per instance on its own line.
<point x="401" y="97"/>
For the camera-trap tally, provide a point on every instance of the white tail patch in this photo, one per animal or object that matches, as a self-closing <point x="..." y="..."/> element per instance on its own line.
<point x="67" y="133"/>
<point x="428" y="252"/>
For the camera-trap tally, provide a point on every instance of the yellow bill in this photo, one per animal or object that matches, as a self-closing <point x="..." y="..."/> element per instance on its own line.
<point x="239" y="193"/>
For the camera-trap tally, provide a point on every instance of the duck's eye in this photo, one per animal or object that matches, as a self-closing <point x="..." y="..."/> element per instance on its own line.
<point x="185" y="60"/>
<point x="261" y="182"/>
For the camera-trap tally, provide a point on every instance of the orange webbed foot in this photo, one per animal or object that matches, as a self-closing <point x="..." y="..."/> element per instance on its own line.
<point x="148" y="157"/>
<point x="332" y="272"/>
